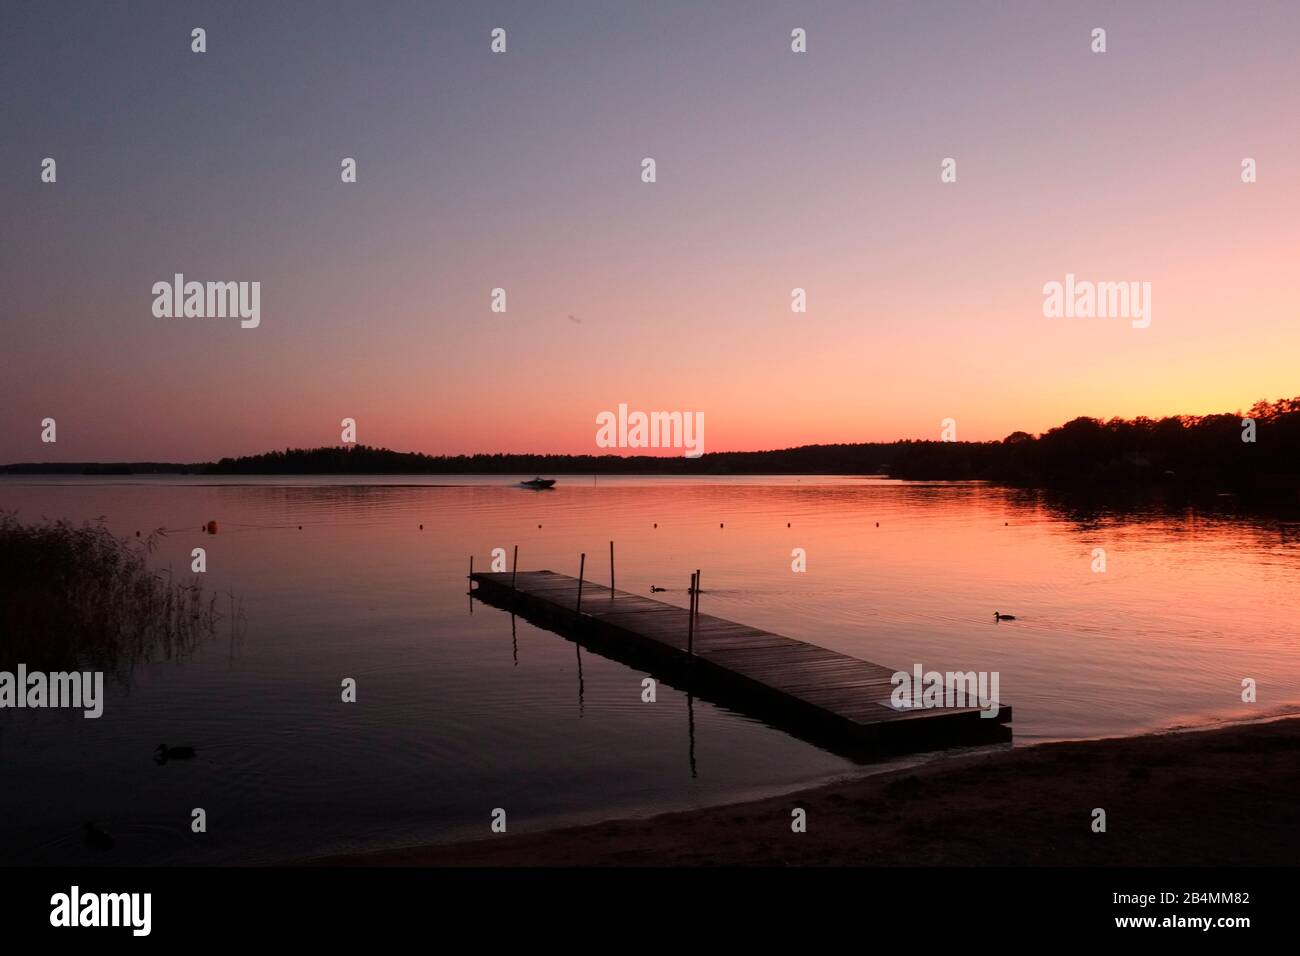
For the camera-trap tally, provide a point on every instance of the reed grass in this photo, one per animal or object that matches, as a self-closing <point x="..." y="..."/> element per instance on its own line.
<point x="77" y="597"/>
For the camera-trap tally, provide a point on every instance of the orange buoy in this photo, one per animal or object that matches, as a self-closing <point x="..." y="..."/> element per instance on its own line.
<point x="212" y="527"/>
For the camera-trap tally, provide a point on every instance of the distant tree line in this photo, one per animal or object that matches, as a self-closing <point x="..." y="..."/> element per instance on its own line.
<point x="105" y="468"/>
<point x="365" y="460"/>
<point x="1201" y="451"/>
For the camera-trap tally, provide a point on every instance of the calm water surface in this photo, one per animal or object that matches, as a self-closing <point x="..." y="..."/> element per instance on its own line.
<point x="457" y="715"/>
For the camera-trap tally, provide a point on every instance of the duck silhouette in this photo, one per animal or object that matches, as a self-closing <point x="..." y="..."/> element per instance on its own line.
<point x="163" y="753"/>
<point x="656" y="590"/>
<point x="997" y="616"/>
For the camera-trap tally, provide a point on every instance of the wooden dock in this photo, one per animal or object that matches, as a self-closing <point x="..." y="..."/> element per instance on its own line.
<point x="838" y="702"/>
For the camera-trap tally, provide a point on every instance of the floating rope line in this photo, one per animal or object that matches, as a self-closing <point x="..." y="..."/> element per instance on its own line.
<point x="237" y="525"/>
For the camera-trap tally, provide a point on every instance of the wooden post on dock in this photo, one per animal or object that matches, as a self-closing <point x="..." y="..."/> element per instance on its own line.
<point x="696" y="612"/>
<point x="582" y="564"/>
<point x="514" y="569"/>
<point x="611" y="570"/>
<point x="471" y="572"/>
<point x="690" y="622"/>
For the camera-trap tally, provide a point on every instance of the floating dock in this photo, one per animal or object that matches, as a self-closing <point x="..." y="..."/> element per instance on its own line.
<point x="835" y="701"/>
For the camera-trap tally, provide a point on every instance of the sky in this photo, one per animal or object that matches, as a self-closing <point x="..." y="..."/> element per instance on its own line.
<point x="775" y="170"/>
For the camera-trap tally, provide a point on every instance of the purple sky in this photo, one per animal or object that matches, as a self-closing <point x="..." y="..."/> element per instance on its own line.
<point x="775" y="170"/>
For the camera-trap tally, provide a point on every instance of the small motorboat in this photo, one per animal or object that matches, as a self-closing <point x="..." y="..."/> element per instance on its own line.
<point x="537" y="484"/>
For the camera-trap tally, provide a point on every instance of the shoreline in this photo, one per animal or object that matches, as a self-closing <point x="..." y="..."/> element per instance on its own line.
<point x="1219" y="796"/>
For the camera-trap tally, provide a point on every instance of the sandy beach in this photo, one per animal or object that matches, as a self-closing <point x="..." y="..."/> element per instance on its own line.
<point x="1219" y="797"/>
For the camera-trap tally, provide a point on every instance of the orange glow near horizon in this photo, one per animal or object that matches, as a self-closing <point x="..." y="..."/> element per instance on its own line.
<point x="774" y="172"/>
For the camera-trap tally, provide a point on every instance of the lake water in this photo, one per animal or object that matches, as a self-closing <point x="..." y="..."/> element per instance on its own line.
<point x="456" y="715"/>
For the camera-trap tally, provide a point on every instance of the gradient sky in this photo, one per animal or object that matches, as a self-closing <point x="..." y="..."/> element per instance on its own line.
<point x="522" y="171"/>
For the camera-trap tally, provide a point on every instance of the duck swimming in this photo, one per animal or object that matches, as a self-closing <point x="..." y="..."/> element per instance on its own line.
<point x="1003" y="617"/>
<point x="163" y="753"/>
<point x="656" y="590"/>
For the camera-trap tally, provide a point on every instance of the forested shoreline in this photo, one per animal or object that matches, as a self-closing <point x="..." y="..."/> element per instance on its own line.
<point x="1255" y="449"/>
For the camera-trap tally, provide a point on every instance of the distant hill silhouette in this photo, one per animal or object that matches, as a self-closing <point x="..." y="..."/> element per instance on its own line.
<point x="1195" y="451"/>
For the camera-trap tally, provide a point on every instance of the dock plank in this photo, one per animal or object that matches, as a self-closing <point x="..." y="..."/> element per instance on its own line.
<point x="830" y="698"/>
